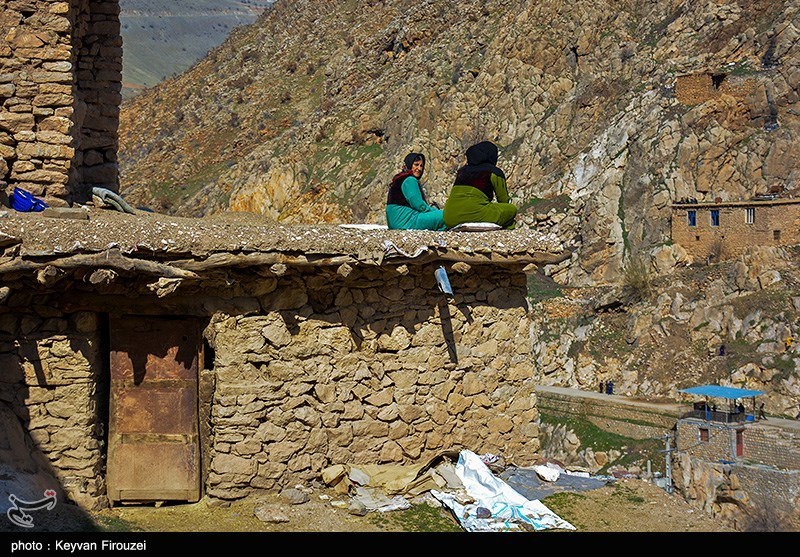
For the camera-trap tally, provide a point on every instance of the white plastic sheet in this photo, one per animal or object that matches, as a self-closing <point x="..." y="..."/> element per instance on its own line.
<point x="547" y="473"/>
<point x="510" y="511"/>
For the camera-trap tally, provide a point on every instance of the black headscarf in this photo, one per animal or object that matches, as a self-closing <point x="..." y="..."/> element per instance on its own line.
<point x="411" y="158"/>
<point x="481" y="161"/>
<point x="483" y="152"/>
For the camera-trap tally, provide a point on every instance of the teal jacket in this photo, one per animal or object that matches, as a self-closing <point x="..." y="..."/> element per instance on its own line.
<point x="418" y="215"/>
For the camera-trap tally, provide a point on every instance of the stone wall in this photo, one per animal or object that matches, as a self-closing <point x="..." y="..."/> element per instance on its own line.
<point x="306" y="367"/>
<point x="721" y="443"/>
<point x="749" y="497"/>
<point x="366" y="371"/>
<point x="772" y="445"/>
<point x="734" y="234"/>
<point x="635" y="419"/>
<point x="50" y="376"/>
<point x="694" y="88"/>
<point x="698" y="88"/>
<point x="60" y="83"/>
<point x="761" y="443"/>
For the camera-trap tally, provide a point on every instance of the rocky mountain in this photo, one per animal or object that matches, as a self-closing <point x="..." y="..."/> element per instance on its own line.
<point x="731" y="323"/>
<point x="163" y="38"/>
<point x="605" y="113"/>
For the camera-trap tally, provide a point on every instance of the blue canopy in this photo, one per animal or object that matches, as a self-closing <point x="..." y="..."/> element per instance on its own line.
<point x="721" y="392"/>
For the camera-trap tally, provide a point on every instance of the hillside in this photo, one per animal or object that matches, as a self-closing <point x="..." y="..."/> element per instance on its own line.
<point x="164" y="38"/>
<point x="305" y="114"/>
<point x="605" y="112"/>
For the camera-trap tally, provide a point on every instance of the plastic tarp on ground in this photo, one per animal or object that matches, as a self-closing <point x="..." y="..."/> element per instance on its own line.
<point x="718" y="391"/>
<point x="492" y="505"/>
<point x="528" y="483"/>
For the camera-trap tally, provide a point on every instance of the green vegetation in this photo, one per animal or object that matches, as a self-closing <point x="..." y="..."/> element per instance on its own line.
<point x="636" y="278"/>
<point x="170" y="194"/>
<point x="608" y="339"/>
<point x="741" y="68"/>
<point x="634" y="451"/>
<point x="203" y="177"/>
<point x="541" y="287"/>
<point x="561" y="203"/>
<point x="589" y="434"/>
<point x="575" y="348"/>
<point x="564" y="505"/>
<point x="626" y="493"/>
<point x="419" y="518"/>
<point x="114" y="524"/>
<point x="652" y="38"/>
<point x="325" y="167"/>
<point x="772" y="301"/>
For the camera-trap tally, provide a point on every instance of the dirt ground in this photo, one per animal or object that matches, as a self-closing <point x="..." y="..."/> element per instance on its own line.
<point x="629" y="505"/>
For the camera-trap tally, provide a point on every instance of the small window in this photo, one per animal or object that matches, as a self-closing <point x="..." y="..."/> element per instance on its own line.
<point x="714" y="217"/>
<point x="692" y="216"/>
<point x="704" y="434"/>
<point x="697" y="238"/>
<point x="750" y="215"/>
<point x="776" y="234"/>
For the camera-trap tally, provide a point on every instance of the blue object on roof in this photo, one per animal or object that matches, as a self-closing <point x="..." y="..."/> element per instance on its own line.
<point x="24" y="201"/>
<point x="721" y="392"/>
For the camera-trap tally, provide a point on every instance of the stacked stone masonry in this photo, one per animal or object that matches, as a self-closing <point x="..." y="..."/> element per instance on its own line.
<point x="764" y="483"/>
<point x="698" y="88"/>
<point x="370" y="372"/>
<point x="707" y="440"/>
<point x="750" y="498"/>
<point x="60" y="84"/>
<point x="739" y="225"/>
<point x="50" y="377"/>
<point x="307" y="368"/>
<point x="774" y="446"/>
<point x="610" y="413"/>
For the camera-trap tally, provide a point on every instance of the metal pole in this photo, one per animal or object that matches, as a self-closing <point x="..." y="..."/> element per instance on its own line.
<point x="668" y="455"/>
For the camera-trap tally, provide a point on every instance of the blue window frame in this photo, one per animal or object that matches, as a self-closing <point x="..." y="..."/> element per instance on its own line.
<point x="692" y="216"/>
<point x="714" y="217"/>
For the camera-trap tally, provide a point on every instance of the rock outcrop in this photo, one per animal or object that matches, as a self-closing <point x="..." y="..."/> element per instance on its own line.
<point x="605" y="113"/>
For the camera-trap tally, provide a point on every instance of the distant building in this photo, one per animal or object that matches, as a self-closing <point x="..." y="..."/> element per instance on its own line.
<point x="724" y="229"/>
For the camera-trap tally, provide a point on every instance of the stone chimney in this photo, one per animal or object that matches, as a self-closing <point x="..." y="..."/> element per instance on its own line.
<point x="60" y="83"/>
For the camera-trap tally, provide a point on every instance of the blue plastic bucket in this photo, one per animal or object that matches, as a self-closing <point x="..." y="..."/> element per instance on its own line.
<point x="25" y="202"/>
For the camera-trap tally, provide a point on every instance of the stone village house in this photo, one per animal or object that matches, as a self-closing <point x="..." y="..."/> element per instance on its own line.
<point x="157" y="358"/>
<point x="721" y="230"/>
<point x="148" y="358"/>
<point x="146" y="367"/>
<point x="273" y="359"/>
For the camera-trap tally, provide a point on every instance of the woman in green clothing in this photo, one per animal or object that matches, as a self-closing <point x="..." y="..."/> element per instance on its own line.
<point x="475" y="186"/>
<point x="406" y="207"/>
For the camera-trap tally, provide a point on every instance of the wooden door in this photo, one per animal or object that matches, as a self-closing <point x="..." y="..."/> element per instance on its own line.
<point x="153" y="441"/>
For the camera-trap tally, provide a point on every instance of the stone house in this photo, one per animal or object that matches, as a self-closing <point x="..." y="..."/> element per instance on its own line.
<point x="723" y="230"/>
<point x="60" y="93"/>
<point x="696" y="88"/>
<point x="741" y="469"/>
<point x="722" y="463"/>
<point x="155" y="358"/>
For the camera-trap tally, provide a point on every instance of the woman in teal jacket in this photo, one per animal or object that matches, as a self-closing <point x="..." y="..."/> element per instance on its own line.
<point x="476" y="184"/>
<point x="406" y="207"/>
